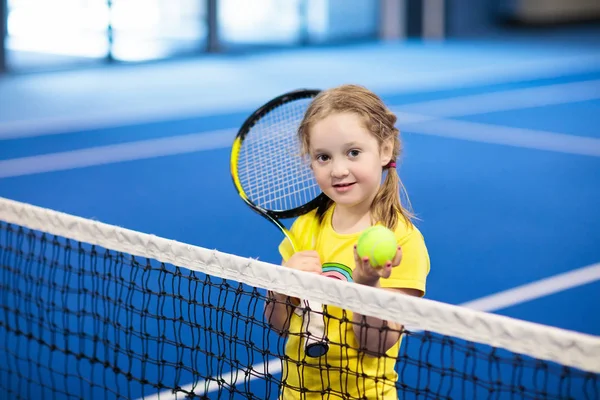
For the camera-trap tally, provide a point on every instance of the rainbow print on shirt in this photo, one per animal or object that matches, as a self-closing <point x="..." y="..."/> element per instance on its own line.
<point x="337" y="271"/>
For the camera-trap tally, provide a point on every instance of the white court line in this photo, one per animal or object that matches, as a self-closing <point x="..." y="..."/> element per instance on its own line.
<point x="145" y="149"/>
<point x="103" y="155"/>
<point x="185" y="105"/>
<point x="515" y="99"/>
<point x="506" y="100"/>
<point x="258" y="371"/>
<point x="416" y="123"/>
<point x="504" y="135"/>
<point x="498" y="301"/>
<point x="536" y="290"/>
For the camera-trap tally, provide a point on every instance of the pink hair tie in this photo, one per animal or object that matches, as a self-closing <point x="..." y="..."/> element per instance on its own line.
<point x="391" y="164"/>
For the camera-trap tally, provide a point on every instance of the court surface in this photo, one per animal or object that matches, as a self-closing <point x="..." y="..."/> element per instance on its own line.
<point x="502" y="144"/>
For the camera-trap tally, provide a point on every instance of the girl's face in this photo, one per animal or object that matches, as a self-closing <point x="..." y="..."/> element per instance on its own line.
<point x="346" y="159"/>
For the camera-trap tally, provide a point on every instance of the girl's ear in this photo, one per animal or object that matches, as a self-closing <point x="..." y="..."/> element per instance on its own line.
<point x="386" y="150"/>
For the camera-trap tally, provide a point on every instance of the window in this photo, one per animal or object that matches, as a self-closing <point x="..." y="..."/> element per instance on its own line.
<point x="64" y="32"/>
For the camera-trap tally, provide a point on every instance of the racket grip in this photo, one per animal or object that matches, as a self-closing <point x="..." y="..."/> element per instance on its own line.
<point x="313" y="326"/>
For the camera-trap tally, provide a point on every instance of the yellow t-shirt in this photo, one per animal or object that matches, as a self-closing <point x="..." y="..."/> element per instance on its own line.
<point x="344" y="372"/>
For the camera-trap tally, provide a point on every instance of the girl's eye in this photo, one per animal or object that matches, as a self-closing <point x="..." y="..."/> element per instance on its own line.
<point x="322" y="157"/>
<point x="354" y="153"/>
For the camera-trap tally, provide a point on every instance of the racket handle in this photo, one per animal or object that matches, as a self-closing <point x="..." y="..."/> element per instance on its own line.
<point x="313" y="325"/>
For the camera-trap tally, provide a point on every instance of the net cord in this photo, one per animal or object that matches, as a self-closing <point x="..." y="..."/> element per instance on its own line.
<point x="564" y="347"/>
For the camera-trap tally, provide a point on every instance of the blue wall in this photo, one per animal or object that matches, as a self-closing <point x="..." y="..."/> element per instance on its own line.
<point x="471" y="18"/>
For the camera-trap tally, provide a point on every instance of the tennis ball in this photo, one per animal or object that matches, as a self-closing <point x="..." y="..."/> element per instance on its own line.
<point x="379" y="244"/>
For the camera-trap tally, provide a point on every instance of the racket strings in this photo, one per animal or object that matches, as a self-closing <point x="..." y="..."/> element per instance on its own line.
<point x="278" y="183"/>
<point x="271" y="168"/>
<point x="274" y="178"/>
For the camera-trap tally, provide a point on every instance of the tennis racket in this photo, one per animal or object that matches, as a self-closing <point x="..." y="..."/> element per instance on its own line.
<point x="273" y="178"/>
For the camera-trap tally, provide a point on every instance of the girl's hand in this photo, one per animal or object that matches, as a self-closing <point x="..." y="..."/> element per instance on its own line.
<point x="305" y="261"/>
<point x="366" y="274"/>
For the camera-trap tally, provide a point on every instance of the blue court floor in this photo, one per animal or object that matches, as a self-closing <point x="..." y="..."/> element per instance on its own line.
<point x="502" y="143"/>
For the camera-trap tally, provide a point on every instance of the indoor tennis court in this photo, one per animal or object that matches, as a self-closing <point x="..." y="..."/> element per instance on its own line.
<point x="501" y="146"/>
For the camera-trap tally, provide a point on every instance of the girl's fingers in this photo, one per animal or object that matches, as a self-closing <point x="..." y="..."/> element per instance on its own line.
<point x="386" y="270"/>
<point x="398" y="257"/>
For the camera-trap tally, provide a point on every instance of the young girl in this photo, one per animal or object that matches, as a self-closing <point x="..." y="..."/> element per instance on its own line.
<point x="350" y="138"/>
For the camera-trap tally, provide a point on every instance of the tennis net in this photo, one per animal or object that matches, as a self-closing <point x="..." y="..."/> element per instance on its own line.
<point x="90" y="310"/>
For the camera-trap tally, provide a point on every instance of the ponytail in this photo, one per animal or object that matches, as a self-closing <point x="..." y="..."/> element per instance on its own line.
<point x="387" y="204"/>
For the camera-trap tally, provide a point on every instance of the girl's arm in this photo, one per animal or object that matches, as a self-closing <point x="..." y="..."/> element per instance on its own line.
<point x="368" y="330"/>
<point x="374" y="335"/>
<point x="279" y="307"/>
<point x="278" y="311"/>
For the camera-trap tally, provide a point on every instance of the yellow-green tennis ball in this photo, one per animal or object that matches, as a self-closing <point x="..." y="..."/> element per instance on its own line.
<point x="379" y="244"/>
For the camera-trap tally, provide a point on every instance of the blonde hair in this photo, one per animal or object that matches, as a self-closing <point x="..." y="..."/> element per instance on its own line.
<point x="380" y="122"/>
